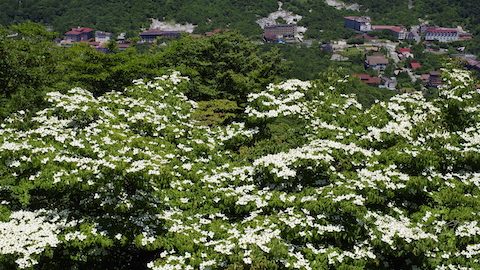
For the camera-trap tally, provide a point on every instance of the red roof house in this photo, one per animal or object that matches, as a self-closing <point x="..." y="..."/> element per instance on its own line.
<point x="415" y="65"/>
<point x="367" y="79"/>
<point x="404" y="50"/>
<point x="79" y="34"/>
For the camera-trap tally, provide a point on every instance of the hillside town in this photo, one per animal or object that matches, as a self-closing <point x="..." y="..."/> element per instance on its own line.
<point x="386" y="49"/>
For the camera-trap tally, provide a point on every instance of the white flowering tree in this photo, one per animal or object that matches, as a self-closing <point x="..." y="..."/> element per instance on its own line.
<point x="131" y="180"/>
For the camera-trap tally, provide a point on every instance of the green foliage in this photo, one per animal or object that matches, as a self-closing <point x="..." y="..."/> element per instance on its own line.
<point x="27" y="59"/>
<point x="226" y="66"/>
<point x="215" y="112"/>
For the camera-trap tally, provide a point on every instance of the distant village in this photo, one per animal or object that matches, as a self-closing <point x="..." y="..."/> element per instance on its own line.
<point x="99" y="40"/>
<point x="379" y="53"/>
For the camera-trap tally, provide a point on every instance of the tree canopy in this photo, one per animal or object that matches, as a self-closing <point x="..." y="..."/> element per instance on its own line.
<point x="130" y="179"/>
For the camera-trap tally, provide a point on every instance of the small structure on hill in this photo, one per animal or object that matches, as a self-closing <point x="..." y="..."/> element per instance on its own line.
<point x="435" y="79"/>
<point x="150" y="35"/>
<point x="377" y="62"/>
<point x="389" y="83"/>
<point x="336" y="46"/>
<point x="367" y="79"/>
<point x="415" y="65"/>
<point x="280" y="33"/>
<point x="102" y="37"/>
<point x="404" y="53"/>
<point x="79" y="34"/>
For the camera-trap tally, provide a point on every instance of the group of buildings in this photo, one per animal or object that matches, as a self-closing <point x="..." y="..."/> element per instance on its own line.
<point x="429" y="33"/>
<point x="100" y="39"/>
<point x="95" y="39"/>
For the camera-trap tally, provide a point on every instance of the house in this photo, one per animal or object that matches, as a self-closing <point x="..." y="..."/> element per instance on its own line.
<point x="102" y="37"/>
<point x="472" y="64"/>
<point x="362" y="24"/>
<point x="404" y="53"/>
<point x="121" y="38"/>
<point x="338" y="58"/>
<point x="389" y="83"/>
<point x="399" y="32"/>
<point x="413" y="35"/>
<point x="442" y="34"/>
<point x="425" y="78"/>
<point x="435" y="79"/>
<point x="377" y="62"/>
<point x="336" y="46"/>
<point x="150" y="35"/>
<point x="79" y="34"/>
<point x="280" y="33"/>
<point x="367" y="79"/>
<point x="124" y="46"/>
<point x="415" y="65"/>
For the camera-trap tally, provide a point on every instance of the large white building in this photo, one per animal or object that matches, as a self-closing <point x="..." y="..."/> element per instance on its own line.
<point x="442" y="34"/>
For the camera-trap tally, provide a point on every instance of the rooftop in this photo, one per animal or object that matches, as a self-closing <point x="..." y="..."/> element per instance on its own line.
<point x="79" y="30"/>
<point x="366" y="78"/>
<point x="363" y="19"/>
<point x="271" y="26"/>
<point x="377" y="60"/>
<point x="415" y="65"/>
<point x="393" y="28"/>
<point x="441" y="30"/>
<point x="158" y="32"/>
<point x="404" y="50"/>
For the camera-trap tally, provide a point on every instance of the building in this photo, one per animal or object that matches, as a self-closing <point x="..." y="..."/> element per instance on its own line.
<point x="435" y="79"/>
<point x="280" y="33"/>
<point x="389" y="83"/>
<point x="442" y="34"/>
<point x="472" y="64"/>
<point x="367" y="79"/>
<point x="124" y="46"/>
<point x="399" y="32"/>
<point x="362" y="24"/>
<point x="404" y="53"/>
<point x="122" y="38"/>
<point x="465" y="36"/>
<point x="377" y="62"/>
<point x="425" y="78"/>
<point x="413" y="35"/>
<point x="79" y="34"/>
<point x="149" y="36"/>
<point x="335" y="46"/>
<point x="338" y="58"/>
<point x="415" y="65"/>
<point x="102" y="37"/>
